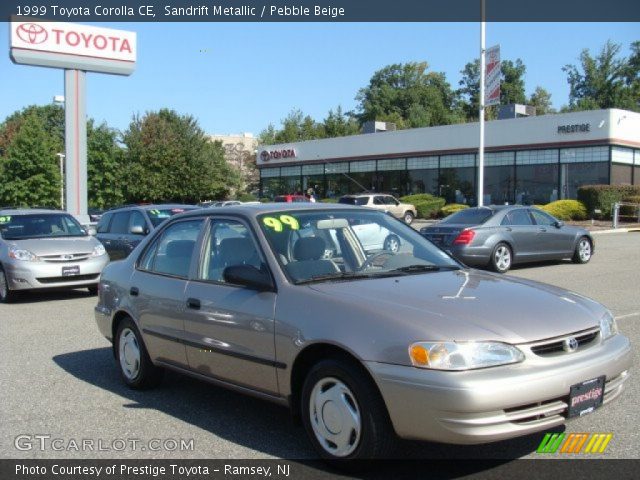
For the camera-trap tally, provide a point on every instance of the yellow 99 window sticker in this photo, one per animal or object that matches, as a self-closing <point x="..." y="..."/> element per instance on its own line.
<point x="278" y="224"/>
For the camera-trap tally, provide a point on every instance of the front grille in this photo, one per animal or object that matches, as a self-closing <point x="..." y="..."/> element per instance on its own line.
<point x="70" y="278"/>
<point x="553" y="347"/>
<point x="66" y="257"/>
<point x="535" y="412"/>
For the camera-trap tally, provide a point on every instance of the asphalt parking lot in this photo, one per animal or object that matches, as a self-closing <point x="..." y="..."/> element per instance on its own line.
<point x="59" y="381"/>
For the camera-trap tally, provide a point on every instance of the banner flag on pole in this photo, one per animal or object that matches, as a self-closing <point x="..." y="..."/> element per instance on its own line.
<point x="492" y="78"/>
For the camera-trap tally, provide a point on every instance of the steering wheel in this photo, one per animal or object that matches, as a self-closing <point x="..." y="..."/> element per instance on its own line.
<point x="369" y="261"/>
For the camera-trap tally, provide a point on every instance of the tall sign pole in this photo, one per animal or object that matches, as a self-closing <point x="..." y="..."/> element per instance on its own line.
<point x="482" y="73"/>
<point x="75" y="140"/>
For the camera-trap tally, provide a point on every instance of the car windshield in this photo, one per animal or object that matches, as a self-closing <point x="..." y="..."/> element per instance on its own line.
<point x="39" y="225"/>
<point x="469" y="216"/>
<point x="343" y="245"/>
<point x="354" y="200"/>
<point x="159" y="215"/>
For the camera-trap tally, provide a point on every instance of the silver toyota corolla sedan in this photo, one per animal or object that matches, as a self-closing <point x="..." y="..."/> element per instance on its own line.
<point x="283" y="302"/>
<point x="499" y="236"/>
<point x="43" y="249"/>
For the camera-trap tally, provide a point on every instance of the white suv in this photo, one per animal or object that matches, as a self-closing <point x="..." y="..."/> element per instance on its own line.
<point x="386" y="203"/>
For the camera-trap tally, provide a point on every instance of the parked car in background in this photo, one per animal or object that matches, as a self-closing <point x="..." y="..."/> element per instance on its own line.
<point x="43" y="249"/>
<point x="220" y="203"/>
<point x="121" y="229"/>
<point x="362" y="346"/>
<point x="385" y="203"/>
<point x="291" y="198"/>
<point x="501" y="236"/>
<point x="95" y="214"/>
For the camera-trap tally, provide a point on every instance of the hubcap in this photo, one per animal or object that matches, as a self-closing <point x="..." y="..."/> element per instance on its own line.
<point x="502" y="258"/>
<point x="129" y="354"/>
<point x="584" y="250"/>
<point x="392" y="245"/>
<point x="335" y="417"/>
<point x="408" y="218"/>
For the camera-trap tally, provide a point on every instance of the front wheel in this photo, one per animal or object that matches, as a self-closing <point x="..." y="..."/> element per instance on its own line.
<point x="6" y="295"/>
<point x="583" y="251"/>
<point x="501" y="258"/>
<point x="136" y="368"/>
<point x="344" y="414"/>
<point x="408" y="217"/>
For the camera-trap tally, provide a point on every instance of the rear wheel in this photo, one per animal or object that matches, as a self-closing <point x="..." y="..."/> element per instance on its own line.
<point x="136" y="368"/>
<point x="343" y="413"/>
<point x="408" y="217"/>
<point x="501" y="258"/>
<point x="6" y="295"/>
<point x="392" y="243"/>
<point x="583" y="251"/>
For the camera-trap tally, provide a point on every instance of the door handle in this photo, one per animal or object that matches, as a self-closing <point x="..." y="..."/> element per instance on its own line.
<point x="193" y="303"/>
<point x="542" y="229"/>
<point x="134" y="291"/>
<point x="509" y="229"/>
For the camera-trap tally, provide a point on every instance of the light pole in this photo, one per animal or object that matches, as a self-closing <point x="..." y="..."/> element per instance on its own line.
<point x="61" y="158"/>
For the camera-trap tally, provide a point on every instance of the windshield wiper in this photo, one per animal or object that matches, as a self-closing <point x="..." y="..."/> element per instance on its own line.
<point x="345" y="276"/>
<point x="418" y="268"/>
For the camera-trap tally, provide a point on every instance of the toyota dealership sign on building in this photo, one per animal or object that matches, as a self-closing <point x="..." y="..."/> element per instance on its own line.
<point x="70" y="45"/>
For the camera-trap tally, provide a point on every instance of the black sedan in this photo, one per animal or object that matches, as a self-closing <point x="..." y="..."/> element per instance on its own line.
<point x="501" y="236"/>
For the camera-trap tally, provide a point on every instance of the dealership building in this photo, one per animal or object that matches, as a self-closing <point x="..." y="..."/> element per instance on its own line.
<point x="530" y="160"/>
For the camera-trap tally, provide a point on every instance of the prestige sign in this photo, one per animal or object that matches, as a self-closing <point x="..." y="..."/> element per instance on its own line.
<point x="575" y="128"/>
<point x="73" y="46"/>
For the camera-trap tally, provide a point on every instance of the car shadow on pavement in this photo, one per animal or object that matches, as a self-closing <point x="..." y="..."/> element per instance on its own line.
<point x="250" y="422"/>
<point x="50" y="295"/>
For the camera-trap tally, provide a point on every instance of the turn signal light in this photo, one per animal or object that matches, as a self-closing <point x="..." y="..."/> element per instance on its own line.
<point x="465" y="237"/>
<point x="419" y="355"/>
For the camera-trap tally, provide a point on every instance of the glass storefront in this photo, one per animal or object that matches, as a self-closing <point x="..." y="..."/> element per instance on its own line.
<point x="518" y="176"/>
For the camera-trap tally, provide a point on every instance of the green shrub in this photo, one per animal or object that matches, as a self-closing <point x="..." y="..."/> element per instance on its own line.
<point x="329" y="200"/>
<point x="602" y="197"/>
<point x="429" y="209"/>
<point x="247" y="197"/>
<point x="632" y="199"/>
<point x="417" y="197"/>
<point x="566" y="210"/>
<point x="265" y="200"/>
<point x="452" y="208"/>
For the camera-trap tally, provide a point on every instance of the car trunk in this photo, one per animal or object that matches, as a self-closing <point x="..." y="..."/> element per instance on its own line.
<point x="443" y="235"/>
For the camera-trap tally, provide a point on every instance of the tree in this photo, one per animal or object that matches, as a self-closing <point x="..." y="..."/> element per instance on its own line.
<point x="337" y="124"/>
<point x="29" y="166"/>
<point x="541" y="99"/>
<point x="169" y="158"/>
<point x="511" y="87"/>
<point x="408" y="95"/>
<point x="105" y="162"/>
<point x="606" y="80"/>
<point x="296" y="127"/>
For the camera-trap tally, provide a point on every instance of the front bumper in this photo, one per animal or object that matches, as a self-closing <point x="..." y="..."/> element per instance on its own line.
<point x="43" y="275"/>
<point x="491" y="404"/>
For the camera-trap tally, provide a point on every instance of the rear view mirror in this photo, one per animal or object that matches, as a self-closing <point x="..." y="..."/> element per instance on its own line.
<point x="91" y="231"/>
<point x="138" y="230"/>
<point x="558" y="224"/>
<point x="248" y="276"/>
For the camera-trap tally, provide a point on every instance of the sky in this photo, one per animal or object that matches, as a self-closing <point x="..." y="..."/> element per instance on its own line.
<point x="240" y="77"/>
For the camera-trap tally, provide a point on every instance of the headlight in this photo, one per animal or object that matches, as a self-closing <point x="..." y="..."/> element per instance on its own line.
<point x="608" y="327"/>
<point x="98" y="251"/>
<point x="24" y="255"/>
<point x="462" y="356"/>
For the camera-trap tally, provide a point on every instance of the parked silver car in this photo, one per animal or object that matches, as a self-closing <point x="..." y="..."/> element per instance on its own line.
<point x="41" y="249"/>
<point x="499" y="236"/>
<point x="284" y="303"/>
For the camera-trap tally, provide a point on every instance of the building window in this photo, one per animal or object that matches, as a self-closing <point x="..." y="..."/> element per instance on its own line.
<point x="269" y="172"/>
<point x="366" y="166"/>
<point x="575" y="175"/>
<point x="493" y="159"/>
<point x="458" y="161"/>
<point x="422" y="163"/>
<point x="336" y="168"/>
<point x="537" y="184"/>
<point x="457" y="185"/>
<point x="622" y="155"/>
<point x="312" y="169"/>
<point x="621" y="174"/>
<point x="499" y="184"/>
<point x="531" y="157"/>
<point x="392" y="164"/>
<point x="584" y="155"/>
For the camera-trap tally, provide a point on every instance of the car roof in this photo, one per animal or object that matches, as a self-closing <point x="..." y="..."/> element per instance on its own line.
<point x="153" y="206"/>
<point x="253" y="210"/>
<point x="28" y="211"/>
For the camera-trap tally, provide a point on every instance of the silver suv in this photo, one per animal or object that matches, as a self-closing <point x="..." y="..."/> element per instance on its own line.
<point x="385" y="203"/>
<point x="42" y="249"/>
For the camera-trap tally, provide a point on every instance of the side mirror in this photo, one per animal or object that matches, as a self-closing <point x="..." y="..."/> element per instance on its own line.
<point x="559" y="224"/>
<point x="248" y="276"/>
<point x="138" y="230"/>
<point x="91" y="231"/>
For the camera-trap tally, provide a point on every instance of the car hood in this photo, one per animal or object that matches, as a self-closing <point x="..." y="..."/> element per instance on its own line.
<point x="470" y="305"/>
<point x="56" y="245"/>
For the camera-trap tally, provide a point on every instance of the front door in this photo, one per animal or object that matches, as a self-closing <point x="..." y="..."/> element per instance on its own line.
<point x="230" y="329"/>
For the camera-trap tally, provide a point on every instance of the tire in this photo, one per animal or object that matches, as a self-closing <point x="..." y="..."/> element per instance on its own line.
<point x="408" y="217"/>
<point x="391" y="243"/>
<point x="337" y="397"/>
<point x="6" y="295"/>
<point x="135" y="366"/>
<point x="501" y="258"/>
<point x="93" y="290"/>
<point x="583" y="251"/>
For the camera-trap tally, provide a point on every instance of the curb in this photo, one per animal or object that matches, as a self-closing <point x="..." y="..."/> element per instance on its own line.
<point x="616" y="230"/>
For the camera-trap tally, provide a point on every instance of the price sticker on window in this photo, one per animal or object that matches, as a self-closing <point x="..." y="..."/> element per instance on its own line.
<point x="282" y="222"/>
<point x="5" y="219"/>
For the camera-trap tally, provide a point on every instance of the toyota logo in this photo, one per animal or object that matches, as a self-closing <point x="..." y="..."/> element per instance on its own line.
<point x="32" y="33"/>
<point x="264" y="155"/>
<point x="570" y="344"/>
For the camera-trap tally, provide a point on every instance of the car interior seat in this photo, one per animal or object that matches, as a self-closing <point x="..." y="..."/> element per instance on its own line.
<point x="308" y="261"/>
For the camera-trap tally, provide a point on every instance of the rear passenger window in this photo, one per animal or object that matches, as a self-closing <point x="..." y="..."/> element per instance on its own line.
<point x="171" y="253"/>
<point x="518" y="217"/>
